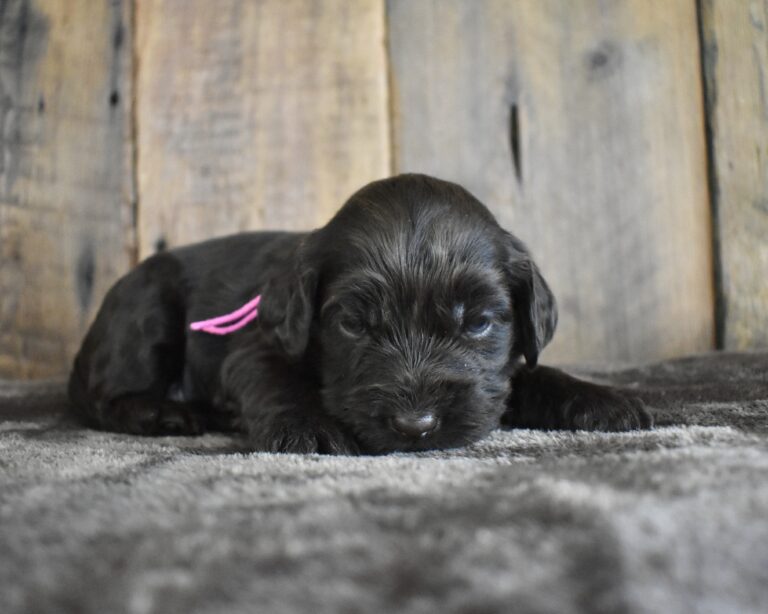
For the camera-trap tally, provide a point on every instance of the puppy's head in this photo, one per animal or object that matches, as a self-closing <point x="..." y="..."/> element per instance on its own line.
<point x="414" y="304"/>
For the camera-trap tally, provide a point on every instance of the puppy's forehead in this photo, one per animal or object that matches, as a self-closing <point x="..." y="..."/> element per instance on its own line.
<point x="425" y="236"/>
<point x="408" y="264"/>
<point x="429" y="232"/>
<point x="410" y="236"/>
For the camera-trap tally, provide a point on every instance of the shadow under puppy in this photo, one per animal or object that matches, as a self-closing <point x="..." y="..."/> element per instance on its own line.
<point x="400" y="325"/>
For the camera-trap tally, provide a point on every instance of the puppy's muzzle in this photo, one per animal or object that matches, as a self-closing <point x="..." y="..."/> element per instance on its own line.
<point x="416" y="426"/>
<point x="415" y="405"/>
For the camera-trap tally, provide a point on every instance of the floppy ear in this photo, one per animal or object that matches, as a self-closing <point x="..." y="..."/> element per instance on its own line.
<point x="288" y="305"/>
<point x="534" y="306"/>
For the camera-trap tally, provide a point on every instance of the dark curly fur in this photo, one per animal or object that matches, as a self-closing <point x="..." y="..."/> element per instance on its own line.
<point x="398" y="326"/>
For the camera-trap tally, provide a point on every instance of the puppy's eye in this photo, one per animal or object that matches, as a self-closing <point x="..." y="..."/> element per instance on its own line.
<point x="352" y="327"/>
<point x="478" y="326"/>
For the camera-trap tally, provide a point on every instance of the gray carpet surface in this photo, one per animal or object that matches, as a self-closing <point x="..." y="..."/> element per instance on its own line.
<point x="671" y="520"/>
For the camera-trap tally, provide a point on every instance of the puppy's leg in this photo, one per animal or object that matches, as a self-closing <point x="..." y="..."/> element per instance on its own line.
<point x="132" y="355"/>
<point x="279" y="404"/>
<point x="545" y="398"/>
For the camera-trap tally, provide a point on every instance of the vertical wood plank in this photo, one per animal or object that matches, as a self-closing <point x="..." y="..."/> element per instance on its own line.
<point x="256" y="114"/>
<point x="580" y="124"/>
<point x="65" y="214"/>
<point x="735" y="44"/>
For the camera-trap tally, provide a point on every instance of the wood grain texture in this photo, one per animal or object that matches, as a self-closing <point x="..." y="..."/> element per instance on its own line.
<point x="256" y="114"/>
<point x="601" y="101"/>
<point x="735" y="44"/>
<point x="65" y="227"/>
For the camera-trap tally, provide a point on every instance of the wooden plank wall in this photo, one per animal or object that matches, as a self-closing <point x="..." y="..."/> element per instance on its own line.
<point x="268" y="116"/>
<point x="580" y="125"/>
<point x="65" y="197"/>
<point x="735" y="43"/>
<point x="128" y="126"/>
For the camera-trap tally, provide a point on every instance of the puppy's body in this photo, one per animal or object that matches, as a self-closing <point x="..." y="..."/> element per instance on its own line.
<point x="398" y="326"/>
<point x="140" y="345"/>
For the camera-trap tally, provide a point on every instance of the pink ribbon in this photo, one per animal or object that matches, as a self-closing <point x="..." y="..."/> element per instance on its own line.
<point x="235" y="320"/>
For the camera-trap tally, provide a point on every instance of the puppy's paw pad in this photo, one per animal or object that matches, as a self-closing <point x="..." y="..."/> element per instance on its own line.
<point x="337" y="443"/>
<point x="155" y="418"/>
<point x="294" y="443"/>
<point x="303" y="437"/>
<point x="179" y="419"/>
<point x="606" y="410"/>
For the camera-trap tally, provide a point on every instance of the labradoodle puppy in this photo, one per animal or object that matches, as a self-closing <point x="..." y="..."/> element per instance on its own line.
<point x="400" y="325"/>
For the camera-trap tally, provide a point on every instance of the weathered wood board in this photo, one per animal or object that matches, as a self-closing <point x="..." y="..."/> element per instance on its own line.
<point x="256" y="115"/>
<point x="580" y="124"/>
<point x="735" y="44"/>
<point x="65" y="189"/>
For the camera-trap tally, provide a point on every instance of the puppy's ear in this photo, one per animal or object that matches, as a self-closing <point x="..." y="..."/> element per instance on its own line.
<point x="288" y="305"/>
<point x="534" y="306"/>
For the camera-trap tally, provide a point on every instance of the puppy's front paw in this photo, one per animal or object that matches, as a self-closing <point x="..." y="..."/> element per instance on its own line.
<point x="604" y="409"/>
<point x="301" y="435"/>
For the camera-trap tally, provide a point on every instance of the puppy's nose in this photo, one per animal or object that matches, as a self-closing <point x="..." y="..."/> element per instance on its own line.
<point x="414" y="426"/>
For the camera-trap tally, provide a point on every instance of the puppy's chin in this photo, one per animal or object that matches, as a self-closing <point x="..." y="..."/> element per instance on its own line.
<point x="383" y="442"/>
<point x="457" y="427"/>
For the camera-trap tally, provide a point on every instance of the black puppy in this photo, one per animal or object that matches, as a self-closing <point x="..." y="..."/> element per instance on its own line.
<point x="400" y="325"/>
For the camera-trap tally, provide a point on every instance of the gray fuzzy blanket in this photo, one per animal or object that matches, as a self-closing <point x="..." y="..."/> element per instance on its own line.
<point x="672" y="520"/>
